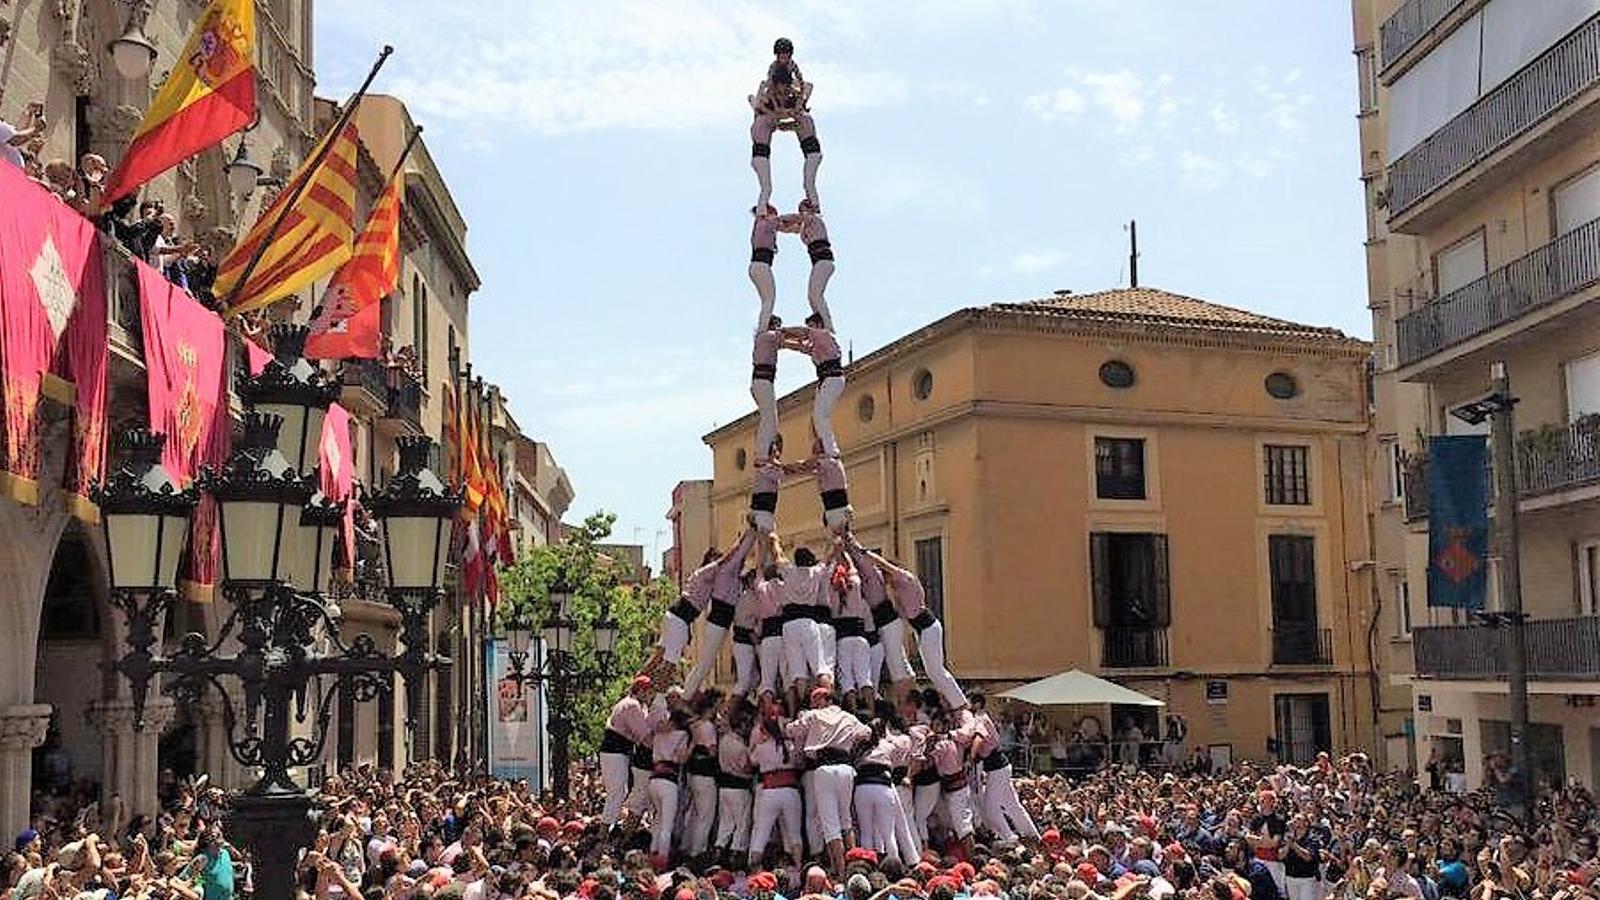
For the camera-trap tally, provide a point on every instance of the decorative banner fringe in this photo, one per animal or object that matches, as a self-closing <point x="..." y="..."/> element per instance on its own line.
<point x="21" y="489"/>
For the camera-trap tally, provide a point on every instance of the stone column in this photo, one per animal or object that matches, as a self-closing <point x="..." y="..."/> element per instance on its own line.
<point x="131" y="752"/>
<point x="22" y="728"/>
<point x="214" y="757"/>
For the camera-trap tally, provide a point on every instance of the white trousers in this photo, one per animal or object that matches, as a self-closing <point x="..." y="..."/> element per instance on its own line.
<point x="778" y="808"/>
<point x="674" y="637"/>
<point x="854" y="669"/>
<point x="765" y="394"/>
<point x="839" y="518"/>
<point x="771" y="653"/>
<point x="905" y="836"/>
<point x="813" y="162"/>
<point x="614" y="777"/>
<point x="833" y="787"/>
<point x="924" y="800"/>
<point x="767" y="291"/>
<point x="802" y="648"/>
<point x="828" y="392"/>
<point x="816" y="288"/>
<point x="808" y="790"/>
<point x="1304" y="888"/>
<point x="958" y="804"/>
<point x="930" y="646"/>
<point x="745" y="671"/>
<point x="733" y="819"/>
<point x="828" y="639"/>
<point x="763" y="167"/>
<point x="1003" y="811"/>
<point x="1278" y="874"/>
<point x="892" y="640"/>
<point x="705" y="657"/>
<point x="638" y="801"/>
<point x="664" y="798"/>
<point x="701" y="814"/>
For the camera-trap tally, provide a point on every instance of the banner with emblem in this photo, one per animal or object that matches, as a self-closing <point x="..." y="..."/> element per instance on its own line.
<point x="1458" y="521"/>
<point x="185" y="359"/>
<point x="52" y="289"/>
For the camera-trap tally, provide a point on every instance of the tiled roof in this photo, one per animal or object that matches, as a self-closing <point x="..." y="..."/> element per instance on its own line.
<point x="1157" y="307"/>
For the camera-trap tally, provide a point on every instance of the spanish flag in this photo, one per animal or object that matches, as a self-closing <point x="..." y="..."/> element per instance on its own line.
<point x="347" y="325"/>
<point x="210" y="94"/>
<point x="303" y="236"/>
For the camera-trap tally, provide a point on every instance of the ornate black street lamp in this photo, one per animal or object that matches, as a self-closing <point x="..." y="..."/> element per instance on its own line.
<point x="560" y="673"/>
<point x="277" y="538"/>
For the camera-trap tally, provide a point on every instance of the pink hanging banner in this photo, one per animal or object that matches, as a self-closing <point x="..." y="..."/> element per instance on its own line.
<point x="52" y="286"/>
<point x="336" y="466"/>
<point x="185" y="356"/>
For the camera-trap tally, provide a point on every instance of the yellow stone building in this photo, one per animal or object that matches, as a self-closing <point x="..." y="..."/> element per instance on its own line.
<point x="1147" y="486"/>
<point x="1480" y="158"/>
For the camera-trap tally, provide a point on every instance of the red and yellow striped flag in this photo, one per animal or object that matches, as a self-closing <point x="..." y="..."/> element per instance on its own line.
<point x="313" y="239"/>
<point x="346" y="325"/>
<point x="210" y="94"/>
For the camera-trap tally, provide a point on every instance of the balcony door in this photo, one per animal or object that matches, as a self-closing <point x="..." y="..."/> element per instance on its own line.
<point x="1576" y="202"/>
<point x="1301" y="725"/>
<point x="1132" y="598"/>
<point x="1297" y="636"/>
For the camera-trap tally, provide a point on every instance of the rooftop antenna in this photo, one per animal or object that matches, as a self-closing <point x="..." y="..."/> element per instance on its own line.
<point x="851" y="347"/>
<point x="1133" y="253"/>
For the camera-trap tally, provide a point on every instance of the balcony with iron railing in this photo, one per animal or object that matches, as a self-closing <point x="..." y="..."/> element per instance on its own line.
<point x="1564" y="73"/>
<point x="1301" y="645"/>
<point x="1410" y="23"/>
<point x="1125" y="647"/>
<point x="1560" y="269"/>
<point x="1558" y="649"/>
<point x="1550" y="460"/>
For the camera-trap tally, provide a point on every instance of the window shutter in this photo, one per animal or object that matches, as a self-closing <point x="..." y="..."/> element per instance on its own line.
<point x="1100" y="570"/>
<point x="1163" y="582"/>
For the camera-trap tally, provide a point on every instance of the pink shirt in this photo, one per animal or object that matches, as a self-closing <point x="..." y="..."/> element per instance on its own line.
<point x="768" y="478"/>
<point x="986" y="737"/>
<point x="891" y="751"/>
<point x="812" y="229"/>
<point x="964" y="728"/>
<point x="947" y="757"/>
<point x="703" y="733"/>
<point x="764" y="233"/>
<point x="824" y="346"/>
<point x="805" y="585"/>
<point x="765" y="347"/>
<point x="768" y="755"/>
<point x="871" y="579"/>
<point x="726" y="585"/>
<point x="828" y="728"/>
<point x="733" y="755"/>
<point x="830" y="475"/>
<point x="670" y="746"/>
<point x="910" y="600"/>
<point x="769" y="599"/>
<point x="852" y="605"/>
<point x="746" y="612"/>
<point x="698" y="590"/>
<point x="631" y="719"/>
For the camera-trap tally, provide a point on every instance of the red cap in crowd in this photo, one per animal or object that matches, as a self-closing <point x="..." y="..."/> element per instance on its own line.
<point x="1087" y="872"/>
<point x="763" y="881"/>
<point x="861" y="854"/>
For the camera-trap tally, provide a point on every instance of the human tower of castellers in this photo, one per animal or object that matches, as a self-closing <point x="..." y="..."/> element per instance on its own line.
<point x="803" y="753"/>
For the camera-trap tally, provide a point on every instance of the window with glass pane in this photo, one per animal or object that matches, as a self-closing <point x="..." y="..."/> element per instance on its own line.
<point x="1119" y="468"/>
<point x="1288" y="475"/>
<point x="930" y="568"/>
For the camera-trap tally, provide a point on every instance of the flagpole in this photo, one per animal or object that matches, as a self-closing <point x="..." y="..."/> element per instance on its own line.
<point x="299" y="188"/>
<point x="416" y="132"/>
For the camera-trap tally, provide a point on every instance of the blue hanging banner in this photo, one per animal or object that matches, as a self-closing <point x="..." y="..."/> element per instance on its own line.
<point x="1458" y="521"/>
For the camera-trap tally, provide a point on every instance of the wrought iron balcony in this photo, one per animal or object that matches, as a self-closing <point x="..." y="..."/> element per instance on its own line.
<point x="1520" y="102"/>
<point x="1133" y="648"/>
<point x="1559" y="458"/>
<point x="391" y="393"/>
<point x="1301" y="645"/>
<point x="1557" y="649"/>
<point x="1559" y="269"/>
<point x="1409" y="24"/>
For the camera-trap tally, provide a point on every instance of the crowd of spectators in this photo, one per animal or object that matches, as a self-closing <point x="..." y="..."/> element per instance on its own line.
<point x="1336" y="830"/>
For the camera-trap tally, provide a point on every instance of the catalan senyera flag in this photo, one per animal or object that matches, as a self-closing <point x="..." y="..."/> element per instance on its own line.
<point x="210" y="94"/>
<point x="346" y="325"/>
<point x="313" y="239"/>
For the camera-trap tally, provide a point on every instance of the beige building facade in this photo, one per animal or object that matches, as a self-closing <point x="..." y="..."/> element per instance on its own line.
<point x="1154" y="488"/>
<point x="1480" y="156"/>
<point x="693" y="529"/>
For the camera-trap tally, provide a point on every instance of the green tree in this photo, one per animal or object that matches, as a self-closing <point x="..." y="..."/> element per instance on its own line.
<point x="598" y="583"/>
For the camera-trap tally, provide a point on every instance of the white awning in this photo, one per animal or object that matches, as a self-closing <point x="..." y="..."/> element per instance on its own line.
<point x="1077" y="688"/>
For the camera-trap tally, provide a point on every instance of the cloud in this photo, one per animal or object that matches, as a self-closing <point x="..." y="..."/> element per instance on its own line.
<point x="1028" y="262"/>
<point x="1200" y="171"/>
<point x="563" y="66"/>
<point x="1122" y="95"/>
